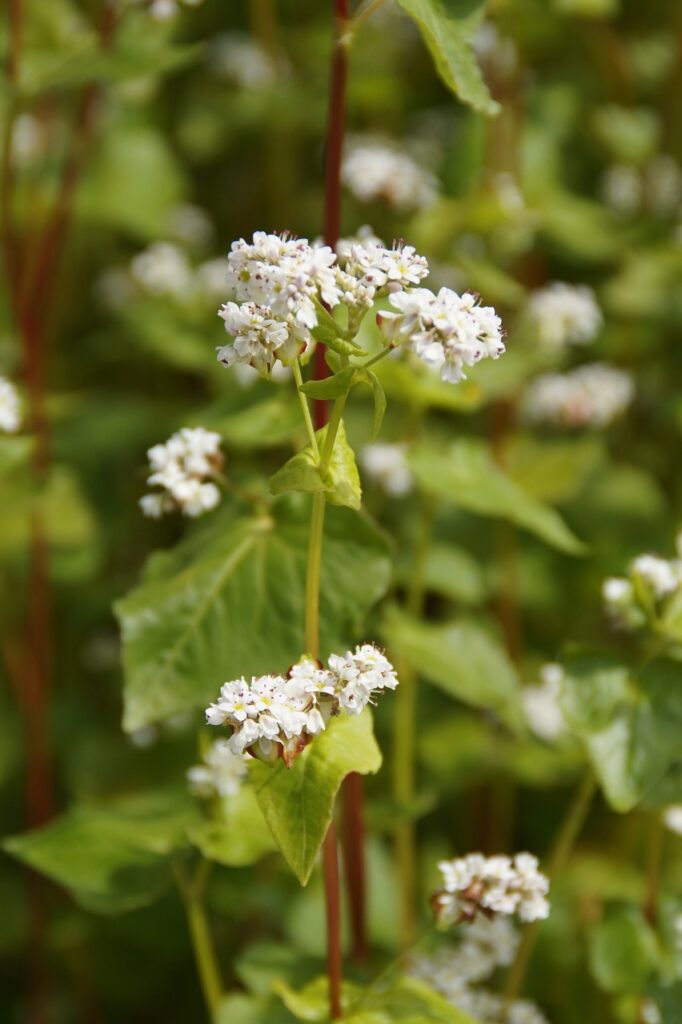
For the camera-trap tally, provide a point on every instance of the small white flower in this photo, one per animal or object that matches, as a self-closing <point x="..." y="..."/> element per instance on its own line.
<point x="492" y="885"/>
<point x="374" y="170"/>
<point x="565" y="314"/>
<point x="660" y="576"/>
<point x="590" y="396"/>
<point x="541" y="704"/>
<point x="162" y="269"/>
<point x="616" y="590"/>
<point x="672" y="818"/>
<point x="622" y="188"/>
<point x="221" y="772"/>
<point x="181" y="467"/>
<point x="649" y="1012"/>
<point x="10" y="408"/>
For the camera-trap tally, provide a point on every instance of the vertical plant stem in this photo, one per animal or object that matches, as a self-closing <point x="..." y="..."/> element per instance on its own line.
<point x="305" y="408"/>
<point x="312" y="643"/>
<point x="200" y="935"/>
<point x="404" y="737"/>
<point x="567" y="835"/>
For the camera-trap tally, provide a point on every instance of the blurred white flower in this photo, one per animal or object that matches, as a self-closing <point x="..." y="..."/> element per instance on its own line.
<point x="243" y="62"/>
<point x="375" y="170"/>
<point x="145" y="737"/>
<point x="622" y="188"/>
<point x="541" y="704"/>
<point x="10" y="407"/>
<point x="672" y="818"/>
<point x="497" y="53"/>
<point x="162" y="269"/>
<point x="649" y="1012"/>
<point x="190" y="224"/>
<point x="162" y="10"/>
<point x="29" y="140"/>
<point x="446" y="331"/>
<point x="490" y="1008"/>
<point x="387" y="465"/>
<point x="651" y="581"/>
<point x="211" y="277"/>
<point x="180" y="467"/>
<point x="113" y="288"/>
<point x="590" y="396"/>
<point x="660" y="576"/>
<point x="221" y="772"/>
<point x="273" y="716"/>
<point x="565" y="314"/>
<point x="491" y="885"/>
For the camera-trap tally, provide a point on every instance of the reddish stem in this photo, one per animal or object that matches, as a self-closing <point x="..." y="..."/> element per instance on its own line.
<point x="353" y="856"/>
<point x="333" y="907"/>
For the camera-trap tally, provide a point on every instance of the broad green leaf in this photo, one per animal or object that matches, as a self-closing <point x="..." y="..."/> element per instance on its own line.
<point x="454" y="573"/>
<point x="234" y="606"/>
<point x="466" y="475"/>
<point x="237" y="835"/>
<point x="461" y="658"/>
<point x="132" y="182"/>
<point x="408" y="1000"/>
<point x="554" y="470"/>
<point x="262" y="425"/>
<point x="331" y="387"/>
<point x="448" y="37"/>
<point x="623" y="951"/>
<point x="112" y="857"/>
<point x="298" y="802"/>
<point x="630" y="722"/>
<point x="312" y="1002"/>
<point x="61" y="506"/>
<point x="340" y="481"/>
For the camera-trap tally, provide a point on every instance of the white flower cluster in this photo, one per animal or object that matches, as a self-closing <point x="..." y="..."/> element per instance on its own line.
<point x="374" y="170"/>
<point x="273" y="716"/>
<point x="447" y="331"/>
<point x="387" y="465"/>
<point x="491" y="885"/>
<point x="280" y="282"/>
<point x="565" y="314"/>
<point x="651" y="580"/>
<point x="589" y="396"/>
<point x="181" y="467"/>
<point x="541" y="704"/>
<point x="10" y="408"/>
<point x="241" y="61"/>
<point x="221" y="772"/>
<point x="485" y="945"/>
<point x="649" y="1012"/>
<point x="657" y="186"/>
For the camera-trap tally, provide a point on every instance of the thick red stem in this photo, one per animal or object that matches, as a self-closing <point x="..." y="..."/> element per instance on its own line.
<point x="333" y="907"/>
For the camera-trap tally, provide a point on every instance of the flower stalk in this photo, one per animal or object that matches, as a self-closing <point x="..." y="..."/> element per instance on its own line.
<point x="191" y="892"/>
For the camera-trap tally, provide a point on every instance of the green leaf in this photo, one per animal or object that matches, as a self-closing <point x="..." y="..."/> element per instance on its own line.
<point x="630" y="722"/>
<point x="238" y="835"/>
<point x="623" y="951"/>
<point x="449" y="41"/>
<point x="554" y="470"/>
<point x="370" y="378"/>
<point x="335" y="386"/>
<point x="297" y="802"/>
<point x="420" y="387"/>
<point x="262" y="425"/>
<point x="340" y="482"/>
<point x="463" y="659"/>
<point x="312" y="1002"/>
<point x="111" y="858"/>
<point x="407" y="1000"/>
<point x="466" y="476"/>
<point x="454" y="573"/>
<point x="234" y="606"/>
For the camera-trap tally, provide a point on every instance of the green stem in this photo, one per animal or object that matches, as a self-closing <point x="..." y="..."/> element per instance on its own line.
<point x="404" y="740"/>
<point x="365" y="12"/>
<point x="375" y="359"/>
<point x="314" y="569"/>
<point x="305" y="408"/>
<point x="332" y="431"/>
<point x="563" y="846"/>
<point x="200" y="934"/>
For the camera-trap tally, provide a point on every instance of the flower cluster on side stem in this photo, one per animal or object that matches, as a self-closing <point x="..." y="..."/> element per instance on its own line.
<point x="276" y="716"/>
<point x="182" y="468"/>
<point x="476" y="884"/>
<point x="456" y="971"/>
<point x="565" y="315"/>
<point x="640" y="597"/>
